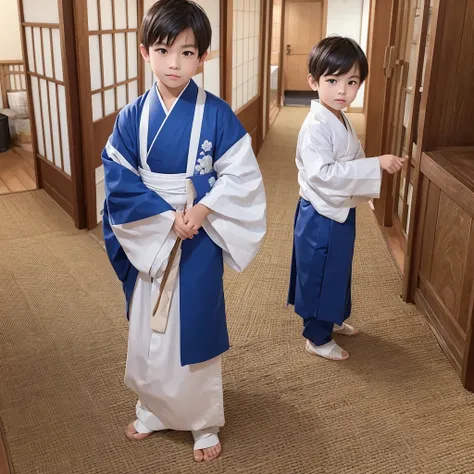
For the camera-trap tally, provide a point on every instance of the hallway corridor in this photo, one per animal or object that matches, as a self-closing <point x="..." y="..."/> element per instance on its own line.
<point x="396" y="406"/>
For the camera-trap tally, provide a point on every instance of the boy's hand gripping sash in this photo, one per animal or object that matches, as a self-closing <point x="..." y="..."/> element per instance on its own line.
<point x="160" y="315"/>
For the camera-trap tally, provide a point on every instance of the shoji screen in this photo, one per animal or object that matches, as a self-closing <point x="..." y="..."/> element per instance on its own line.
<point x="209" y="75"/>
<point x="48" y="49"/>
<point x="113" y="54"/>
<point x="246" y="34"/>
<point x="45" y="68"/>
<point x="12" y="79"/>
<point x="246" y="52"/>
<point x="110" y="77"/>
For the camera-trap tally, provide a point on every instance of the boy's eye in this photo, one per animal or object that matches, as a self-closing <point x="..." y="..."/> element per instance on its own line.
<point x="353" y="83"/>
<point x="188" y="53"/>
<point x="161" y="50"/>
<point x="332" y="81"/>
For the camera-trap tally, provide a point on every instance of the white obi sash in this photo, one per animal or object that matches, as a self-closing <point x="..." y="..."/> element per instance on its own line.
<point x="171" y="187"/>
<point x="179" y="192"/>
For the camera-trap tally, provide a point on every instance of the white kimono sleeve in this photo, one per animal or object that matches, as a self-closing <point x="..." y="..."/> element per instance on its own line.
<point x="136" y="218"/>
<point x="338" y="181"/>
<point x="237" y="222"/>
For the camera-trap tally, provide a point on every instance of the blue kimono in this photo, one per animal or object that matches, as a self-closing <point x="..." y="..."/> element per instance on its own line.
<point x="146" y="162"/>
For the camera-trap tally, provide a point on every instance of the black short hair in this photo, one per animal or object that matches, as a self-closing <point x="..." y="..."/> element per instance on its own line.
<point x="335" y="56"/>
<point x="167" y="19"/>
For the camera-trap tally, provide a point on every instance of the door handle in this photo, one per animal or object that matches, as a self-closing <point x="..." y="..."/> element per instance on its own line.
<point x="288" y="49"/>
<point x="389" y="61"/>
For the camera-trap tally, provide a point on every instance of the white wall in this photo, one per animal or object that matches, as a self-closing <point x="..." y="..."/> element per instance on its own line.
<point x="350" y="18"/>
<point x="10" y="42"/>
<point x="47" y="12"/>
<point x="364" y="34"/>
<point x="344" y="18"/>
<point x="148" y="4"/>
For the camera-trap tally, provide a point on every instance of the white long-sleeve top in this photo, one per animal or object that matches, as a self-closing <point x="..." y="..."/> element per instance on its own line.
<point x="333" y="172"/>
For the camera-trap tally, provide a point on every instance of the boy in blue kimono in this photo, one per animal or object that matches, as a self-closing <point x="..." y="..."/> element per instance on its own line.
<point x="184" y="194"/>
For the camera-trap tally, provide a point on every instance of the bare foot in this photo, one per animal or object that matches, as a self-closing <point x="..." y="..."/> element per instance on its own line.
<point x="207" y="454"/>
<point x="133" y="435"/>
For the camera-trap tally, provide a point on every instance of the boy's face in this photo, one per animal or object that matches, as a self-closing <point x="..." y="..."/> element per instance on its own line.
<point x="174" y="65"/>
<point x="337" y="92"/>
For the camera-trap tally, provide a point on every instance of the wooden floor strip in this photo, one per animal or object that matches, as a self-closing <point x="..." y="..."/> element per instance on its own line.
<point x="5" y="463"/>
<point x="3" y="187"/>
<point x="17" y="172"/>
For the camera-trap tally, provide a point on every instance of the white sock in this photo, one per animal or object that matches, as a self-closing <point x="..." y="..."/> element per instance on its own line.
<point x="206" y="438"/>
<point x="325" y="349"/>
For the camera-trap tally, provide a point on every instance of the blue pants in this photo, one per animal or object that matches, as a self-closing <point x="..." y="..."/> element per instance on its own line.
<point x="318" y="332"/>
<point x="321" y="271"/>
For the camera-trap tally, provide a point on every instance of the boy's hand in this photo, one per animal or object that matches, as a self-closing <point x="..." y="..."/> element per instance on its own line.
<point x="182" y="230"/>
<point x="391" y="163"/>
<point x="195" y="216"/>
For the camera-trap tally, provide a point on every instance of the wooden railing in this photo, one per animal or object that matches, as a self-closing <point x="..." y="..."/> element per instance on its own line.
<point x="12" y="78"/>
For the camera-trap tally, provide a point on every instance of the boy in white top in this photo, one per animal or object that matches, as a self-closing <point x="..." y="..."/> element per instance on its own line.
<point x="334" y="176"/>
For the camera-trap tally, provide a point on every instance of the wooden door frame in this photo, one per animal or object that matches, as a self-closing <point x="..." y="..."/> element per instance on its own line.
<point x="84" y="83"/>
<point x="380" y="18"/>
<point x="261" y="87"/>
<point x="427" y="116"/>
<point x="415" y="106"/>
<point x="141" y="63"/>
<point x="69" y="65"/>
<point x="324" y="26"/>
<point x="395" y="121"/>
<point x="281" y="75"/>
<point x="226" y="70"/>
<point x="269" y="62"/>
<point x="384" y="205"/>
<point x="280" y="60"/>
<point x="382" y="31"/>
<point x="223" y="49"/>
<point x="29" y="93"/>
<point x="68" y="40"/>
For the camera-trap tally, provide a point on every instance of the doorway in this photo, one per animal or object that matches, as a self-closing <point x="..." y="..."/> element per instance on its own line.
<point x="275" y="72"/>
<point x="304" y="27"/>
